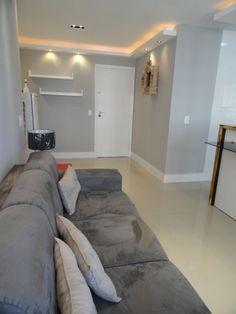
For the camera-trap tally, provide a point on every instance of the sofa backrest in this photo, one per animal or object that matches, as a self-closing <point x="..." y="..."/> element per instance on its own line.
<point x="8" y="182"/>
<point x="42" y="160"/>
<point x="35" y="187"/>
<point x="26" y="263"/>
<point x="27" y="228"/>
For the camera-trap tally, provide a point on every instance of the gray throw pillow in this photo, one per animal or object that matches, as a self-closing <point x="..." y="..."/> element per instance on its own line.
<point x="73" y="294"/>
<point x="88" y="260"/>
<point x="69" y="188"/>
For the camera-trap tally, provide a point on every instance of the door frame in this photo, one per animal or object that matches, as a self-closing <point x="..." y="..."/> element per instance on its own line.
<point x="100" y="66"/>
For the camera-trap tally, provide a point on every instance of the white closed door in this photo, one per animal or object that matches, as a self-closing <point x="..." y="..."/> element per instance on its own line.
<point x="114" y="92"/>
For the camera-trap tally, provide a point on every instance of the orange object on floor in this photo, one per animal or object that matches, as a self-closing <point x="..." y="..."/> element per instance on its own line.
<point x="63" y="166"/>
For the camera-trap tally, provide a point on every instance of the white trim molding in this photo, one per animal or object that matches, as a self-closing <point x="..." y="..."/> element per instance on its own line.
<point x="147" y="166"/>
<point x="157" y="40"/>
<point x="136" y="51"/>
<point x="73" y="155"/>
<point x="170" y="178"/>
<point x="186" y="177"/>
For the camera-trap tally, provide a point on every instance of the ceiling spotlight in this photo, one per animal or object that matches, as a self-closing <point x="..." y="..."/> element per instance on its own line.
<point x="77" y="26"/>
<point x="146" y="49"/>
<point x="159" y="42"/>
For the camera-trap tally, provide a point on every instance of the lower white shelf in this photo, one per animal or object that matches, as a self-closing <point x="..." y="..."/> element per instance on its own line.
<point x="41" y="92"/>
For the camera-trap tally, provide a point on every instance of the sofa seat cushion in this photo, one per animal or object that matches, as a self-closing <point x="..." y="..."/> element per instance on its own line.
<point x="88" y="260"/>
<point x="36" y="187"/>
<point x="156" y="287"/>
<point x="95" y="180"/>
<point x="102" y="204"/>
<point x="26" y="264"/>
<point x="122" y="240"/>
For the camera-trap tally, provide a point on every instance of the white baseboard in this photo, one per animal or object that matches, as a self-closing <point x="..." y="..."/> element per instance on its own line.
<point x="73" y="155"/>
<point x="170" y="178"/>
<point x="146" y="165"/>
<point x="186" y="177"/>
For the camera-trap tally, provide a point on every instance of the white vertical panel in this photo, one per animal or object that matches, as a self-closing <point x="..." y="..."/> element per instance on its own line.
<point x="31" y="111"/>
<point x="226" y="188"/>
<point x="35" y="117"/>
<point x="224" y="104"/>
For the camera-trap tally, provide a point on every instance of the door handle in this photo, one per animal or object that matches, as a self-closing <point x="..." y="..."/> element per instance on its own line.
<point x="100" y="113"/>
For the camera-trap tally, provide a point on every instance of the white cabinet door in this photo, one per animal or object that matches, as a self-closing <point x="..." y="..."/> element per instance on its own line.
<point x="225" y="193"/>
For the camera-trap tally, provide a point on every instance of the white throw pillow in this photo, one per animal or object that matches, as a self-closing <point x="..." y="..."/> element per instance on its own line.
<point x="69" y="188"/>
<point x="88" y="260"/>
<point x="73" y="294"/>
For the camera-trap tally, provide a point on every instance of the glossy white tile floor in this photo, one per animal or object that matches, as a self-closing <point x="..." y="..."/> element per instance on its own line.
<point x="200" y="240"/>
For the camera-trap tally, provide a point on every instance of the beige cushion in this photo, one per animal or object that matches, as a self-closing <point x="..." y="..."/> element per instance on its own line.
<point x="69" y="188"/>
<point x="73" y="294"/>
<point x="88" y="260"/>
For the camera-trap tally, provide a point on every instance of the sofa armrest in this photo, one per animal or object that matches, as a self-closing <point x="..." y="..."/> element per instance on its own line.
<point x="97" y="180"/>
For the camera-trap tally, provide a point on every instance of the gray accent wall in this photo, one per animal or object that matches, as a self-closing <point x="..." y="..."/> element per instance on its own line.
<point x="151" y="113"/>
<point x="188" y="67"/>
<point x="11" y="144"/>
<point x="68" y="116"/>
<point x="196" y="62"/>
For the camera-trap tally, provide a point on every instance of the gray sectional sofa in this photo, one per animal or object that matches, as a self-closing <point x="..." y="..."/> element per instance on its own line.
<point x="132" y="256"/>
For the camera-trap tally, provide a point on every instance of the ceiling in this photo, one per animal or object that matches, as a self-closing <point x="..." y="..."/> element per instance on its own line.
<point x="115" y="27"/>
<point x="227" y="16"/>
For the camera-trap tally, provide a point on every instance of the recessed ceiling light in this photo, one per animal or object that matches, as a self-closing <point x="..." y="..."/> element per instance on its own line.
<point x="77" y="26"/>
<point x="146" y="49"/>
<point x="159" y="42"/>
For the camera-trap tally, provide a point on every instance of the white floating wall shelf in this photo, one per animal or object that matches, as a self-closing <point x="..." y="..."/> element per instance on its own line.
<point x="41" y="92"/>
<point x="56" y="77"/>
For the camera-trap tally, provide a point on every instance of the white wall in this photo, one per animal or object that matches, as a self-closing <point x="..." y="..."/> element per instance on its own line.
<point x="224" y="104"/>
<point x="10" y="95"/>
